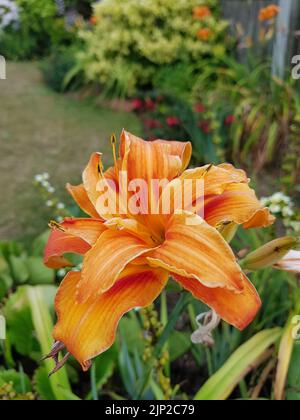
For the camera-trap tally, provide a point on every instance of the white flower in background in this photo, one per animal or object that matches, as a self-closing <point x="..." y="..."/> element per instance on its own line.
<point x="9" y="14"/>
<point x="283" y="207"/>
<point x="49" y="203"/>
<point x="291" y="262"/>
<point x="51" y="190"/>
<point x="38" y="178"/>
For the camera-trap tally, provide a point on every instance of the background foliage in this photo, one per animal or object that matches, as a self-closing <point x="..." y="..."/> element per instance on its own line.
<point x="176" y="67"/>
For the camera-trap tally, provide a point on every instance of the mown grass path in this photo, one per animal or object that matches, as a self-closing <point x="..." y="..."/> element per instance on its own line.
<point x="41" y="131"/>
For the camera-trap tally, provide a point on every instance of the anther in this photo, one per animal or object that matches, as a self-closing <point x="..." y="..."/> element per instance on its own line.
<point x="208" y="169"/>
<point x="55" y="225"/>
<point x="100" y="168"/>
<point x="113" y="141"/>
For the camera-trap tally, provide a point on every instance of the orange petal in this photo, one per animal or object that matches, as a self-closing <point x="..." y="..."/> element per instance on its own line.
<point x="87" y="229"/>
<point x="154" y="160"/>
<point x="181" y="149"/>
<point x="194" y="185"/>
<point x="98" y="186"/>
<point x="238" y="309"/>
<point x="71" y="236"/>
<point x="216" y="178"/>
<point x="237" y="204"/>
<point x="60" y="243"/>
<point x="88" y="329"/>
<point x="103" y="264"/>
<point x="194" y="249"/>
<point x="91" y="178"/>
<point x="79" y="194"/>
<point x="131" y="226"/>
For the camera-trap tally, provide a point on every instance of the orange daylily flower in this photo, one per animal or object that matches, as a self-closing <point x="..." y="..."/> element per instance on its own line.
<point x="204" y="34"/>
<point x="129" y="257"/>
<point x="269" y="12"/>
<point x="201" y="12"/>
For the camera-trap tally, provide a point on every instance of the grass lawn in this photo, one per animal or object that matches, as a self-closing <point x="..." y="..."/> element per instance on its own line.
<point x="41" y="131"/>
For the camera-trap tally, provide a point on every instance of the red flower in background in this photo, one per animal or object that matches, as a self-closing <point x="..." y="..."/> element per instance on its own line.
<point x="229" y="120"/>
<point x="137" y="104"/>
<point x="199" y="108"/>
<point x="150" y="104"/>
<point x="204" y="126"/>
<point x="173" y="121"/>
<point x="151" y="123"/>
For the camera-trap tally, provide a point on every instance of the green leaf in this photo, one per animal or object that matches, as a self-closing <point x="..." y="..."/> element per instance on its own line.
<point x="104" y="368"/>
<point x="21" y="382"/>
<point x="284" y="358"/>
<point x="179" y="344"/>
<point x="130" y="330"/>
<point x="222" y="383"/>
<point x="42" y="385"/>
<point x="293" y="380"/>
<point x="43" y="325"/>
<point x="19" y="269"/>
<point x="38" y="272"/>
<point x="169" y="328"/>
<point x="19" y="323"/>
<point x="6" y="283"/>
<point x="38" y="246"/>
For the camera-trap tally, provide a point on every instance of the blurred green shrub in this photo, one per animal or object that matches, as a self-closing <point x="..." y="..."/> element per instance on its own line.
<point x="264" y="111"/>
<point x="40" y="29"/>
<point x="60" y="70"/>
<point x="19" y="266"/>
<point x="127" y="42"/>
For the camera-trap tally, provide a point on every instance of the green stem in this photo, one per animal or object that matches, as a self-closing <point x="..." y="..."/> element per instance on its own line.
<point x="182" y="302"/>
<point x="94" y="383"/>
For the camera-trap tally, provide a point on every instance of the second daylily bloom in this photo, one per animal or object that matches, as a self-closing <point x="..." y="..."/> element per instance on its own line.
<point x="128" y="258"/>
<point x="290" y="262"/>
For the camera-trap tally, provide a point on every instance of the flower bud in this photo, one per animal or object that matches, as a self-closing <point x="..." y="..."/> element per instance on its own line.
<point x="269" y="254"/>
<point x="290" y="262"/>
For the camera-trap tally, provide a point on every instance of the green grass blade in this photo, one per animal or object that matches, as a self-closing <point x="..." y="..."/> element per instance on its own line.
<point x="223" y="382"/>
<point x="43" y="325"/>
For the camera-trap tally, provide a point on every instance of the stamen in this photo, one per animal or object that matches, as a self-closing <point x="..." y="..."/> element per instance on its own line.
<point x="113" y="141"/>
<point x="60" y="364"/>
<point x="54" y="354"/>
<point x="207" y="322"/>
<point x="100" y="168"/>
<point x="56" y="348"/>
<point x="207" y="169"/>
<point x="53" y="224"/>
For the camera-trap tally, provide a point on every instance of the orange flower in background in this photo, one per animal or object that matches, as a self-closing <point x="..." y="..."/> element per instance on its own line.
<point x="93" y="20"/>
<point x="269" y="12"/>
<point x="204" y="34"/>
<point x="128" y="257"/>
<point x="201" y="12"/>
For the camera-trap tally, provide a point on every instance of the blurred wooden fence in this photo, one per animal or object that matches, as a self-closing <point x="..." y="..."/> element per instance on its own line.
<point x="286" y="42"/>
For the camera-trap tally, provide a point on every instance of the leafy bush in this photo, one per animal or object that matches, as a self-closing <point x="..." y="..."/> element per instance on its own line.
<point x="60" y="72"/>
<point x="264" y="109"/>
<point x="17" y="266"/>
<point x="129" y="41"/>
<point x="40" y="29"/>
